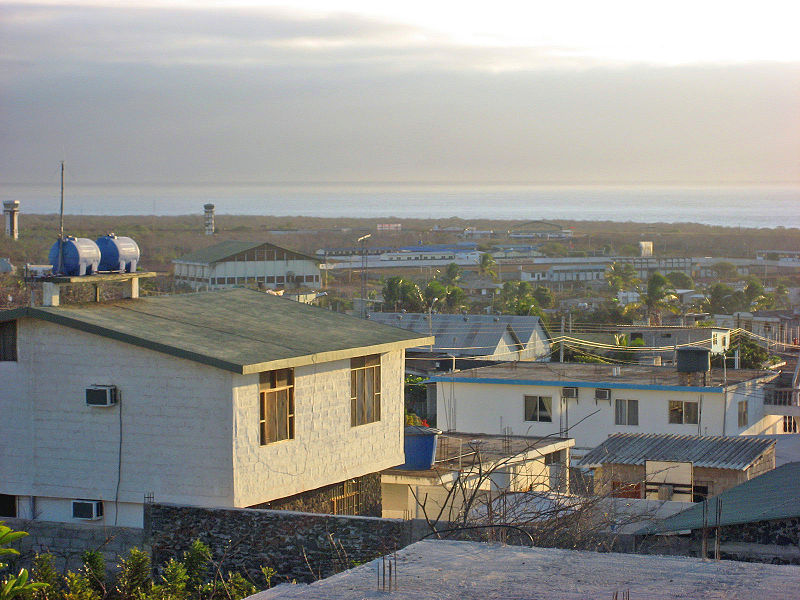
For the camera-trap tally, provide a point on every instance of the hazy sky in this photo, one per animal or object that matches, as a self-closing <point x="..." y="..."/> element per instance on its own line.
<point x="539" y="92"/>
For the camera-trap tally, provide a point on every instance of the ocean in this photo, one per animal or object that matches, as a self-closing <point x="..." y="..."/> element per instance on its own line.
<point x="755" y="206"/>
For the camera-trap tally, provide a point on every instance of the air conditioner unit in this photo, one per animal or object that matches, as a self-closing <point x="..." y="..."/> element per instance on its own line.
<point x="569" y="392"/>
<point x="102" y="395"/>
<point x="602" y="394"/>
<point x="87" y="510"/>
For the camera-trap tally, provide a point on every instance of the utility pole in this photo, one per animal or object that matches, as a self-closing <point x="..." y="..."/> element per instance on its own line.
<point x="61" y="226"/>
<point x="362" y="240"/>
<point x="561" y="352"/>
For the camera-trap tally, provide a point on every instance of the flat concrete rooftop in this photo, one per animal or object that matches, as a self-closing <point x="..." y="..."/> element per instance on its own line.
<point x="443" y="570"/>
<point x="597" y="375"/>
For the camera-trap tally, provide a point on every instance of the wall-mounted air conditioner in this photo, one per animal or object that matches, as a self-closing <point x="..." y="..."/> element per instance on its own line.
<point x="102" y="395"/>
<point x="602" y="394"/>
<point x="569" y="392"/>
<point x="87" y="510"/>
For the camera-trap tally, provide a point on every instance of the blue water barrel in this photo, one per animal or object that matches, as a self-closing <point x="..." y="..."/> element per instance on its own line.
<point x="118" y="253"/>
<point x="80" y="256"/>
<point x="420" y="447"/>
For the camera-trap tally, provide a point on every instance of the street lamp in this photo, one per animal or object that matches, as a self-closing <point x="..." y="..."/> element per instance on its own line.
<point x="364" y="266"/>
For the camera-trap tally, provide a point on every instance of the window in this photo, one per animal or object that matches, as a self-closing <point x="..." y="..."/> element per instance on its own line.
<point x="743" y="413"/>
<point x="8" y="340"/>
<point x="8" y="505"/>
<point x="789" y="424"/>
<point x="276" y="400"/>
<point x="346" y="498"/>
<point x="683" y="413"/>
<point x="365" y="389"/>
<point x="627" y="412"/>
<point x="539" y="408"/>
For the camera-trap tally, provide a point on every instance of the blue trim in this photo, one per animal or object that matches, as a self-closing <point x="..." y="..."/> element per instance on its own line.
<point x="579" y="384"/>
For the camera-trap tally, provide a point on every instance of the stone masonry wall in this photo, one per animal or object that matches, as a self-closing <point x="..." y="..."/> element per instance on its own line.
<point x="67" y="542"/>
<point x="299" y="546"/>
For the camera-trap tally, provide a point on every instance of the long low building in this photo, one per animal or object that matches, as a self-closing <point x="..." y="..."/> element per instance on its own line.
<point x="258" y="264"/>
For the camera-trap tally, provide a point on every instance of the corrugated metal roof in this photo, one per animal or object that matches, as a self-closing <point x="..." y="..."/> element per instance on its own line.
<point x="229" y="248"/>
<point x="718" y="452"/>
<point x="467" y="335"/>
<point x="238" y="330"/>
<point x="773" y="495"/>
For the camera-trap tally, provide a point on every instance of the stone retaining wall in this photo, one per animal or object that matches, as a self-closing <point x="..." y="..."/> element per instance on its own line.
<point x="301" y="546"/>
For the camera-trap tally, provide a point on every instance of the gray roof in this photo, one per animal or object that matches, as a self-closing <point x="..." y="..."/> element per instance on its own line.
<point x="467" y="335"/>
<point x="229" y="249"/>
<point x="238" y="330"/>
<point x="718" y="452"/>
<point x="773" y="495"/>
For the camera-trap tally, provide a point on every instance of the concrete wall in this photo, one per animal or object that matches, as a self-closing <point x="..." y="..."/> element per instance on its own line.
<point x="174" y="421"/>
<point x="487" y="408"/>
<point x="326" y="449"/>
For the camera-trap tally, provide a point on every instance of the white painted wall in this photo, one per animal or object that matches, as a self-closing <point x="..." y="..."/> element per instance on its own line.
<point x="326" y="449"/>
<point x="176" y="423"/>
<point x="487" y="408"/>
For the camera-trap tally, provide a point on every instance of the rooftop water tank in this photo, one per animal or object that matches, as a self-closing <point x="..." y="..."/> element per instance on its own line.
<point x="694" y="360"/>
<point x="118" y="253"/>
<point x="420" y="447"/>
<point x="79" y="256"/>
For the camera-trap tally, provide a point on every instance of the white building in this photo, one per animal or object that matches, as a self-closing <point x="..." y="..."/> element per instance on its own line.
<point x="589" y="402"/>
<point x="234" y="263"/>
<point x="232" y="399"/>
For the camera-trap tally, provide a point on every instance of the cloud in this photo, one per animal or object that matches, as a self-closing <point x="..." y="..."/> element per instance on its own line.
<point x="180" y="95"/>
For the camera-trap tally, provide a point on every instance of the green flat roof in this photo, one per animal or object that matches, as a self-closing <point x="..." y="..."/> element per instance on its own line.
<point x="238" y="330"/>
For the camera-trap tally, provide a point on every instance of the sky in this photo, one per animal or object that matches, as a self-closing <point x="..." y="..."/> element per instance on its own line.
<point x="546" y="93"/>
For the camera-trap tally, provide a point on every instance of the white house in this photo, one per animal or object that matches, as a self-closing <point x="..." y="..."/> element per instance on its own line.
<point x="589" y="402"/>
<point x="233" y="398"/>
<point x="235" y="263"/>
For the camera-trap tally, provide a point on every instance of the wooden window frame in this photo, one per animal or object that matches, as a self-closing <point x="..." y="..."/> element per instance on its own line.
<point x="276" y="406"/>
<point x="365" y="402"/>
<point x="346" y="498"/>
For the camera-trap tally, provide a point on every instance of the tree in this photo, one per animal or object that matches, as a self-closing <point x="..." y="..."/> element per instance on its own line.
<point x="455" y="299"/>
<point x="554" y="249"/>
<point x="621" y="276"/>
<point x="452" y="274"/>
<point x="434" y="290"/>
<point x="488" y="266"/>
<point x="725" y="270"/>
<point x="680" y="280"/>
<point x="544" y="297"/>
<point x="657" y="297"/>
<point x="400" y="293"/>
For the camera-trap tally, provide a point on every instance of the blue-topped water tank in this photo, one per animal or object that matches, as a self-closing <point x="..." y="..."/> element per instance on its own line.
<point x="420" y="447"/>
<point x="79" y="256"/>
<point x="118" y="253"/>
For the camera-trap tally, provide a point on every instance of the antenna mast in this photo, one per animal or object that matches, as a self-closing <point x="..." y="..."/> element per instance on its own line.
<point x="61" y="226"/>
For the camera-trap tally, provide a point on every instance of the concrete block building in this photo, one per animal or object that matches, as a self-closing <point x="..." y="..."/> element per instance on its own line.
<point x="256" y="264"/>
<point x="233" y="398"/>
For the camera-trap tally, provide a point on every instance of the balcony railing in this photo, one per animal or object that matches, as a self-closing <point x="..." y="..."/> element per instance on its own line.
<point x="781" y="397"/>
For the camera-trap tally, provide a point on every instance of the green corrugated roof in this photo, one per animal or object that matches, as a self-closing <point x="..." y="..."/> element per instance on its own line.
<point x="223" y="250"/>
<point x="238" y="330"/>
<point x="773" y="495"/>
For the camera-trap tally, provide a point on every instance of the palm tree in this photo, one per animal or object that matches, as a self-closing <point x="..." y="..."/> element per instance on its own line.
<point x="488" y="266"/>
<point x="657" y="297"/>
